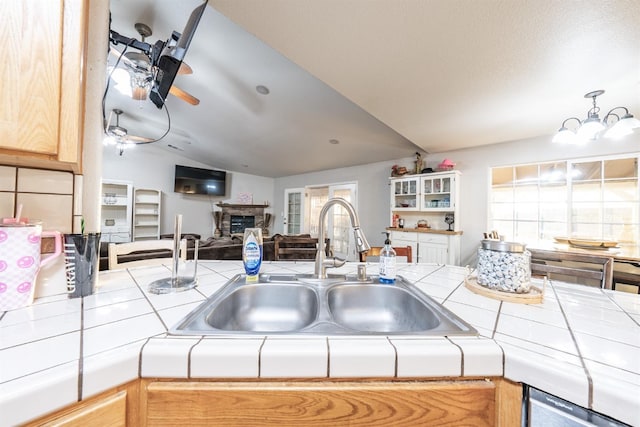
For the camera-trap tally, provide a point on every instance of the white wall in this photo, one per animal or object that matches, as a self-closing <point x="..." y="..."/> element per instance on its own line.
<point x="148" y="166"/>
<point x="152" y="167"/>
<point x="373" y="197"/>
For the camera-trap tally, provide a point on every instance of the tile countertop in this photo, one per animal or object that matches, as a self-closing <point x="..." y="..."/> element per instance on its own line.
<point x="581" y="344"/>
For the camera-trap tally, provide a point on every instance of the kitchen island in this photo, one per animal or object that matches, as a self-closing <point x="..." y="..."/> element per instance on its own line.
<point x="581" y="344"/>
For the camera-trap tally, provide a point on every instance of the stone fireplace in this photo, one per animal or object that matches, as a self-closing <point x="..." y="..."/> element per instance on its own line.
<point x="235" y="218"/>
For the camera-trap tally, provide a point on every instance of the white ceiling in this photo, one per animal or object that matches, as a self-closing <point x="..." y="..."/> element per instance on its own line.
<point x="384" y="77"/>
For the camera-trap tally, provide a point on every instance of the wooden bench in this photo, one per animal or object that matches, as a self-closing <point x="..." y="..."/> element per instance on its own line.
<point x="581" y="266"/>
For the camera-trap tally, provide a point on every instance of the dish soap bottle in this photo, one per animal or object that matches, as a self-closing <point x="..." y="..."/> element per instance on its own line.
<point x="252" y="253"/>
<point x="387" y="262"/>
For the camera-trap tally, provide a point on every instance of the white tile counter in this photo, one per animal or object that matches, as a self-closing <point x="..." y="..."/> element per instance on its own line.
<point x="581" y="344"/>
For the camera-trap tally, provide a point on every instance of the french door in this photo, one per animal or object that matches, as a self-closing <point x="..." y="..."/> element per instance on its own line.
<point x="293" y="211"/>
<point x="302" y="213"/>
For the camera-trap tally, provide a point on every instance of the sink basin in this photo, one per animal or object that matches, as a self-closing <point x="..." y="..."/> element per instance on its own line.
<point x="265" y="308"/>
<point x="304" y="305"/>
<point x="380" y="308"/>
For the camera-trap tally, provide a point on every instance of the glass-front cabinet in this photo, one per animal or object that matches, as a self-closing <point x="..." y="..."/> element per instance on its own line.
<point x="427" y="199"/>
<point x="437" y="191"/>
<point x="405" y="194"/>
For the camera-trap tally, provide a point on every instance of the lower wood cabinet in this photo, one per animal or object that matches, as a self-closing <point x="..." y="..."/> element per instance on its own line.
<point x="368" y="403"/>
<point x="371" y="403"/>
<point x="113" y="408"/>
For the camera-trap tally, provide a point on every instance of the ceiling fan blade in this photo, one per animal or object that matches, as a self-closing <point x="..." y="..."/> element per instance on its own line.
<point x="186" y="97"/>
<point x="135" y="138"/>
<point x="184" y="69"/>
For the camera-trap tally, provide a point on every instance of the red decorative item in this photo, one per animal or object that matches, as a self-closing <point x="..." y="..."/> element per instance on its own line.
<point x="446" y="165"/>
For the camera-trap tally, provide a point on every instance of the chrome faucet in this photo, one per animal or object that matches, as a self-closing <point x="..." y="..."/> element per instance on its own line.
<point x="361" y="241"/>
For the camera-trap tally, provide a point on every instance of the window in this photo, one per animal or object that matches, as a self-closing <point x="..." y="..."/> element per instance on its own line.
<point x="593" y="198"/>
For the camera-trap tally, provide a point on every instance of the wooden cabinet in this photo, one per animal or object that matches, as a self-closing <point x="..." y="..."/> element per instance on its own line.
<point x="42" y="100"/>
<point x="151" y="402"/>
<point x="116" y="211"/>
<point x="146" y="214"/>
<point x="116" y="407"/>
<point x="370" y="403"/>
<point x="428" y="197"/>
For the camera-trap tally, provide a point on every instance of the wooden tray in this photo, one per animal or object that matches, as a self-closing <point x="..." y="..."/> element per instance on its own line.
<point x="534" y="296"/>
<point x="586" y="243"/>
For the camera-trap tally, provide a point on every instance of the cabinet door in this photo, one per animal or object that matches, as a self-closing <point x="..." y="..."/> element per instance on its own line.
<point x="43" y="48"/>
<point x="106" y="411"/>
<point x="437" y="193"/>
<point x="404" y="194"/>
<point x="402" y="238"/>
<point x="321" y="403"/>
<point x="433" y="248"/>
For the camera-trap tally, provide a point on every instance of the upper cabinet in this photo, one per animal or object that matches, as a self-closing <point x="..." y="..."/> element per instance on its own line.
<point x="42" y="98"/>
<point x="439" y="192"/>
<point x="431" y="197"/>
<point x="404" y="194"/>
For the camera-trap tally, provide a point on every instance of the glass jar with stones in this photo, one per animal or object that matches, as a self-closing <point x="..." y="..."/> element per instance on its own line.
<point x="504" y="266"/>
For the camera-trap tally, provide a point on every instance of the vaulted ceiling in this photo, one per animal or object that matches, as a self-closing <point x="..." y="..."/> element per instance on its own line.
<point x="385" y="78"/>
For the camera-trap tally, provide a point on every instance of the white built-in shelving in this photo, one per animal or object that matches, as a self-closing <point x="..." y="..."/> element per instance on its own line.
<point x="146" y="214"/>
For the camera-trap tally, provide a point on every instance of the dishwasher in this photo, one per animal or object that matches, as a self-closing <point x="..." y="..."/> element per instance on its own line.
<point x="540" y="409"/>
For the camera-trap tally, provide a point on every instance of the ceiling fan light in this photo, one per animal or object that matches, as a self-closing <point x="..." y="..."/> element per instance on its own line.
<point x="139" y="93"/>
<point x="565" y="136"/>
<point x="590" y="128"/>
<point x="109" y="140"/>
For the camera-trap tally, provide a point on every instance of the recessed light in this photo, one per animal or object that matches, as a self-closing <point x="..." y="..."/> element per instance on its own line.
<point x="262" y="90"/>
<point x="334" y="141"/>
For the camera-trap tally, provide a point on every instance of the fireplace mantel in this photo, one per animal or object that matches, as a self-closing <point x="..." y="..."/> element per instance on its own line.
<point x="240" y="206"/>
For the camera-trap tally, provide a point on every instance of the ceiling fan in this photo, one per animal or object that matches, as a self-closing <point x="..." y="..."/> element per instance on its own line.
<point x="140" y="68"/>
<point x="119" y="136"/>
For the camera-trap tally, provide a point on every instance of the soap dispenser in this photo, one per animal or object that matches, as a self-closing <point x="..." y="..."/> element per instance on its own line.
<point x="387" y="262"/>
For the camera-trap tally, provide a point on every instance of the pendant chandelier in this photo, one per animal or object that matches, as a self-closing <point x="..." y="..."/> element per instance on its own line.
<point x="613" y="125"/>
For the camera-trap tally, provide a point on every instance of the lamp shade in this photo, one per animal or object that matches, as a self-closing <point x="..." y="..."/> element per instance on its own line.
<point x="623" y="127"/>
<point x="590" y="128"/>
<point x="565" y="136"/>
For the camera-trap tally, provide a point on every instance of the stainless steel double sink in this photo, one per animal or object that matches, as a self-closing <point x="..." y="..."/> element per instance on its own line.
<point x="304" y="305"/>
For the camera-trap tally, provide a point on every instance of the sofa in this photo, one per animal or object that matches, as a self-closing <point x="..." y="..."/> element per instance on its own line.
<point x="225" y="248"/>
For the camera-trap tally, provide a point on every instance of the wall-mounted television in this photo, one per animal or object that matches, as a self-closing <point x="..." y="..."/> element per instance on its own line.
<point x="192" y="180"/>
<point x="171" y="56"/>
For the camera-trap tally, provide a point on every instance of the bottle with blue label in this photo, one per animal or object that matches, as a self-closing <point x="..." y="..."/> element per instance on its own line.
<point x="252" y="253"/>
<point x="387" y="263"/>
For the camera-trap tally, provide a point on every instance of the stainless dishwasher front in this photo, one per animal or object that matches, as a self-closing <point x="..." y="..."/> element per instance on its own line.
<point x="541" y="409"/>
